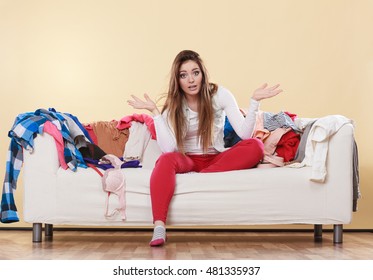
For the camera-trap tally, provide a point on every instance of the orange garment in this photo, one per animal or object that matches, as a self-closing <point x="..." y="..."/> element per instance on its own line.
<point x="259" y="131"/>
<point x="109" y="138"/>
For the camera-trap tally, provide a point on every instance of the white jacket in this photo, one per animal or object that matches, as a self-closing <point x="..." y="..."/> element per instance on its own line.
<point x="139" y="136"/>
<point x="318" y="142"/>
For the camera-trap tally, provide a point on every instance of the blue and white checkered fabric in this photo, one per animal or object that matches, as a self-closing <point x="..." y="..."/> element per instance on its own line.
<point x="22" y="134"/>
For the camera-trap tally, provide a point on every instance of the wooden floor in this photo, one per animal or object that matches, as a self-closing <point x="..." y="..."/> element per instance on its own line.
<point x="184" y="245"/>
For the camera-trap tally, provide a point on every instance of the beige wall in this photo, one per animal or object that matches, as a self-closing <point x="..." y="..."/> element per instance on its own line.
<point x="87" y="57"/>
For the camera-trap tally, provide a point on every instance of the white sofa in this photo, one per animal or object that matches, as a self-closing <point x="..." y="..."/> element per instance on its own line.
<point x="282" y="195"/>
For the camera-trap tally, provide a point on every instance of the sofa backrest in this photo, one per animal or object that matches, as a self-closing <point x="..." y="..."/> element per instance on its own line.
<point x="151" y="154"/>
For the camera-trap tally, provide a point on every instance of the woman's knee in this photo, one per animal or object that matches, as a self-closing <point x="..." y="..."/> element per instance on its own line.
<point x="258" y="143"/>
<point x="255" y="143"/>
<point x="255" y="147"/>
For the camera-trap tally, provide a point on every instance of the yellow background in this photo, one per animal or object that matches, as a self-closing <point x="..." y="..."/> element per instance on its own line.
<point x="87" y="57"/>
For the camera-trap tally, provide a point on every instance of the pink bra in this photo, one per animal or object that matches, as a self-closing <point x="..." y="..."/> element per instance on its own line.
<point x="113" y="181"/>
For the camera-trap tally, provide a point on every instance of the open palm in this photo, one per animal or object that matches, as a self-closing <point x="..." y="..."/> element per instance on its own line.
<point x="146" y="104"/>
<point x="264" y="92"/>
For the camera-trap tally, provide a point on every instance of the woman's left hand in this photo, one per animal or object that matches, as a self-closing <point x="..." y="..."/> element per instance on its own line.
<point x="264" y="92"/>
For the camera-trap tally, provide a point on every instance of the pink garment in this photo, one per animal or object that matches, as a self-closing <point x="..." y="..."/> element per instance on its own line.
<point x="271" y="141"/>
<point x="51" y="129"/>
<point x="113" y="181"/>
<point x="91" y="132"/>
<point x="125" y="122"/>
<point x="270" y="145"/>
<point x="260" y="132"/>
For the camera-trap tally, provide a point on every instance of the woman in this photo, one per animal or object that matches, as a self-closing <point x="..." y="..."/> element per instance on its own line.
<point x="190" y="132"/>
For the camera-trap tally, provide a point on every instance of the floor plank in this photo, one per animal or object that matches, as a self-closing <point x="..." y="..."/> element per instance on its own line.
<point x="184" y="245"/>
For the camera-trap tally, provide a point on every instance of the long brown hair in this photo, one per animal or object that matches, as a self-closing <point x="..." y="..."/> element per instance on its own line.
<point x="175" y="99"/>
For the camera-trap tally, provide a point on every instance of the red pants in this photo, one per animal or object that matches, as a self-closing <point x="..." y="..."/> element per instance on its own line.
<point x="244" y="155"/>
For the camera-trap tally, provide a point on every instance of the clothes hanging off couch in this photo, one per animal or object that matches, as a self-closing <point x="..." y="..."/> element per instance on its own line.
<point x="25" y="128"/>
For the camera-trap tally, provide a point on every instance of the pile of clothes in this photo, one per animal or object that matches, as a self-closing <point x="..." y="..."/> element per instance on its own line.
<point x="278" y="132"/>
<point x="77" y="144"/>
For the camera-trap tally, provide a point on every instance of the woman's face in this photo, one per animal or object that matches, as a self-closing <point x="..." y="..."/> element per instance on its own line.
<point x="190" y="78"/>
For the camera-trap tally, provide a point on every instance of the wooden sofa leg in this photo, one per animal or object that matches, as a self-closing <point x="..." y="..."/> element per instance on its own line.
<point x="338" y="234"/>
<point x="48" y="230"/>
<point x="36" y="232"/>
<point x="317" y="233"/>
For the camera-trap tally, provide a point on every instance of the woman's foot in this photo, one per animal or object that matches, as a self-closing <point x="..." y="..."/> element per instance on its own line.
<point x="159" y="236"/>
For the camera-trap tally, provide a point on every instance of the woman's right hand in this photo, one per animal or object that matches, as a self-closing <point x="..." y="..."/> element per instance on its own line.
<point x="146" y="104"/>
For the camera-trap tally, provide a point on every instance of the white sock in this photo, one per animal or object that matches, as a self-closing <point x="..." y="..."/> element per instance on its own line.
<point x="159" y="232"/>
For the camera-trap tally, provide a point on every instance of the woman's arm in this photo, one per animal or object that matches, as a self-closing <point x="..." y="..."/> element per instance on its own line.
<point x="244" y="126"/>
<point x="165" y="137"/>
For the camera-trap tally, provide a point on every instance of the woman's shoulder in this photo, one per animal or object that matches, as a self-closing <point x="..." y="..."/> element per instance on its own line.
<point x="223" y="93"/>
<point x="222" y="97"/>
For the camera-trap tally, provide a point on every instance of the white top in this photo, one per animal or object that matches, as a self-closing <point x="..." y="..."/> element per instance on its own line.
<point x="317" y="144"/>
<point x="224" y="104"/>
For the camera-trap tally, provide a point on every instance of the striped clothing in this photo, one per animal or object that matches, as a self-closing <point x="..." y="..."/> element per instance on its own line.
<point x="273" y="121"/>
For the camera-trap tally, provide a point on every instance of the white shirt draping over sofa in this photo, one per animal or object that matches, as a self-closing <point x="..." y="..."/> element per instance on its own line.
<point x="318" y="143"/>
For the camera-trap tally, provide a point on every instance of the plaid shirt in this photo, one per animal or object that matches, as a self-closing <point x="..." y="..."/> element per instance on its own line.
<point x="22" y="134"/>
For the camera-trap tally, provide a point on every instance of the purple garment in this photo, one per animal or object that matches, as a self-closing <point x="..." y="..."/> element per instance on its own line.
<point x="105" y="166"/>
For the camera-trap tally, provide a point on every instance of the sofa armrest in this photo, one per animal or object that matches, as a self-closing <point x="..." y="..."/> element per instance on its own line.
<point x="339" y="178"/>
<point x="44" y="156"/>
<point x="40" y="177"/>
<point x="340" y="152"/>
